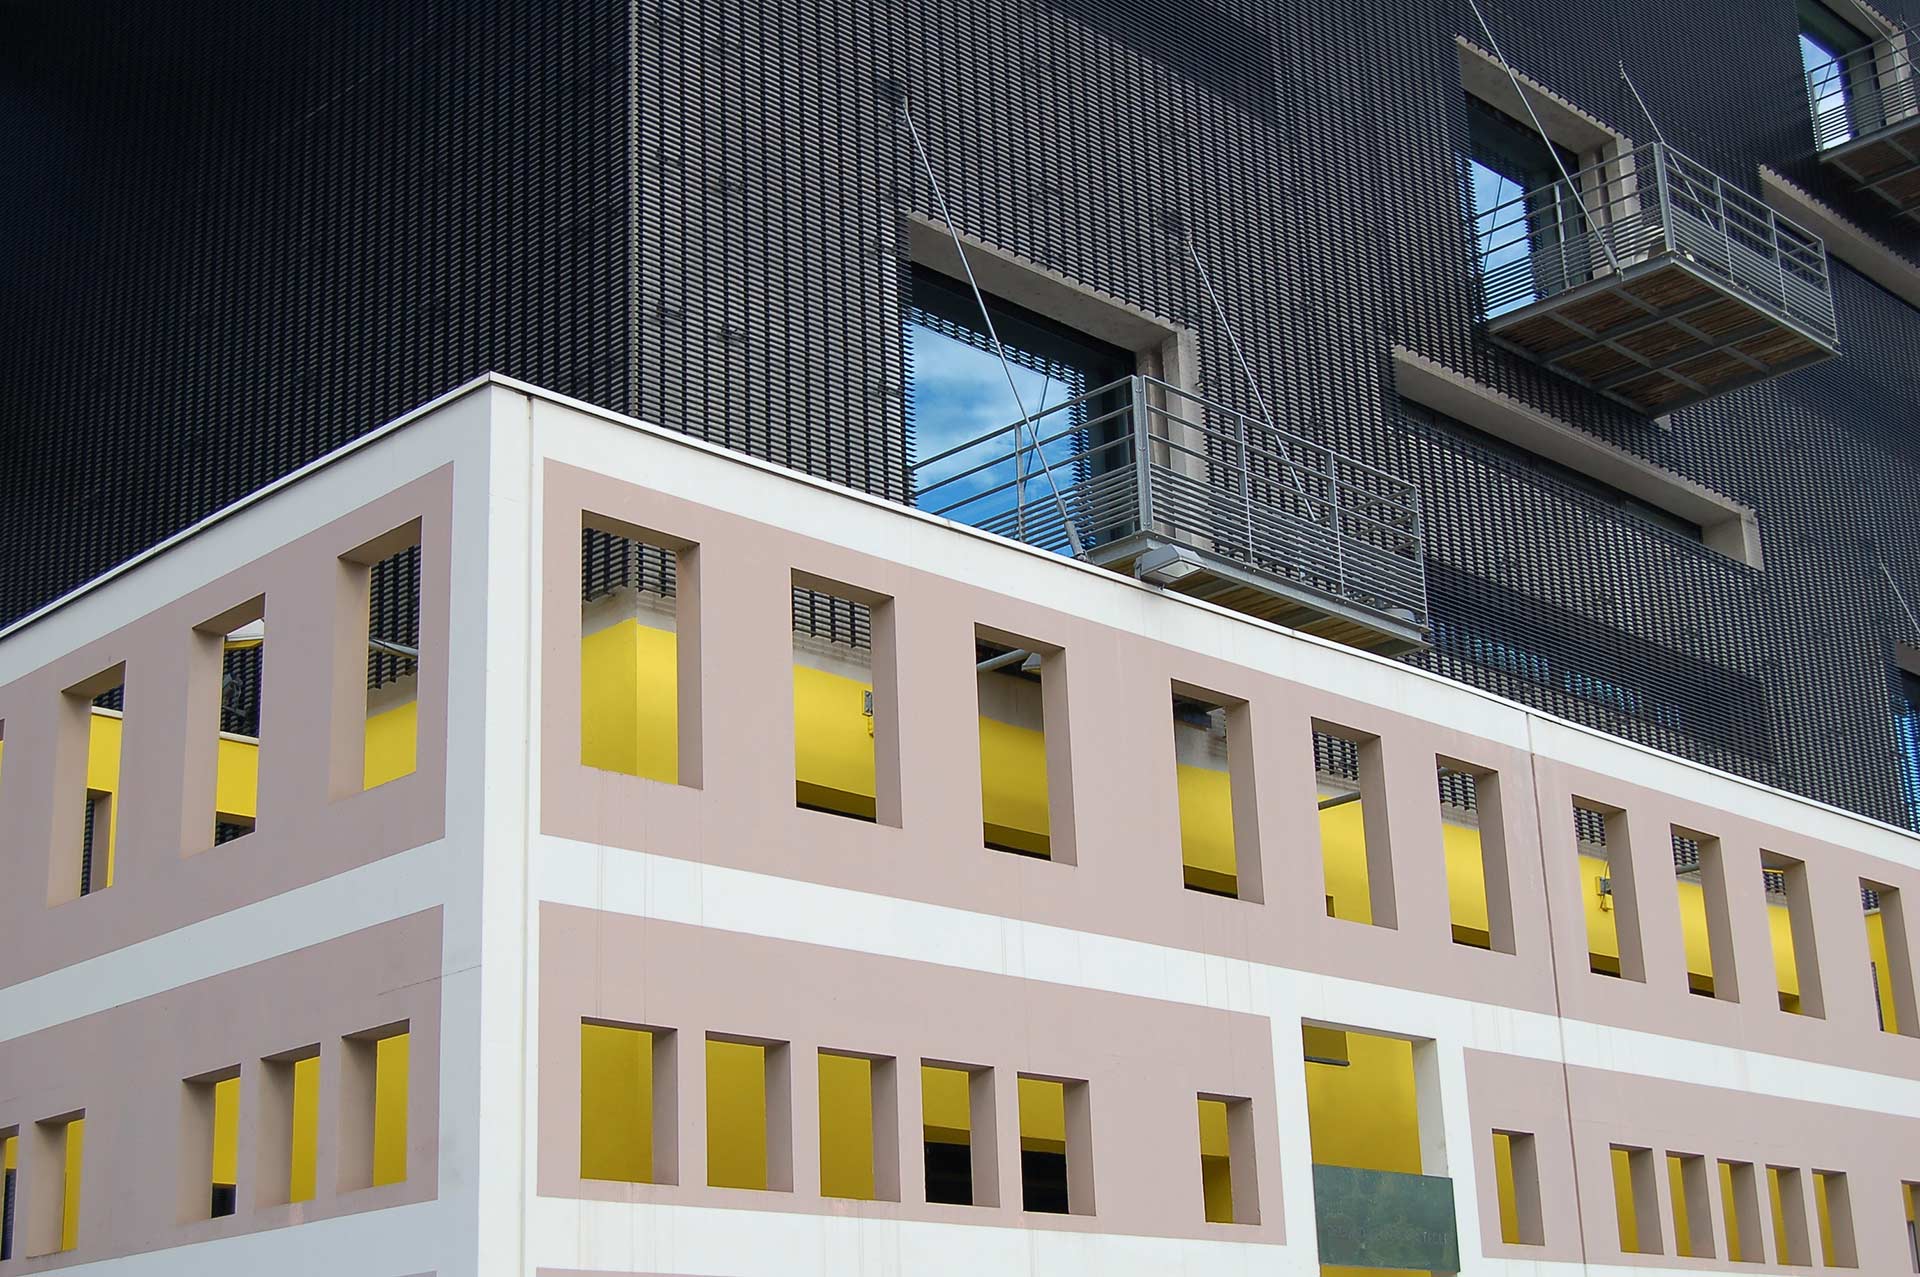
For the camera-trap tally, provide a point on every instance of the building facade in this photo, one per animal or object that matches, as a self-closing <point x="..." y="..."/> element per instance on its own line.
<point x="551" y="956"/>
<point x="1487" y="424"/>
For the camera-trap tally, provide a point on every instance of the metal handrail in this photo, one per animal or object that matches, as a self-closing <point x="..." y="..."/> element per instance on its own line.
<point x="1649" y="202"/>
<point x="1859" y="93"/>
<point x="1141" y="457"/>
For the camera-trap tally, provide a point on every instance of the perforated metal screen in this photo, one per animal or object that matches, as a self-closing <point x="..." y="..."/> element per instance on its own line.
<point x="228" y="246"/>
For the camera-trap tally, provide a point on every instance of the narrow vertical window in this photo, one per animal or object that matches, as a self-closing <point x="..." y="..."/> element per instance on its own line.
<point x="859" y="1136"/>
<point x="844" y="702"/>
<point x="617" y="1105"/>
<point x="94" y="716"/>
<point x="1228" y="1186"/>
<point x="1056" y="1175"/>
<point x="210" y="1144"/>
<point x="55" y="1163"/>
<point x="1516" y="1169"/>
<point x="749" y="1115"/>
<point x="1024" y="768"/>
<point x="393" y="667"/>
<point x="1833" y="1203"/>
<point x="1479" y="888"/>
<point x="9" y="1175"/>
<point x="1796" y="960"/>
<point x="1706" y="926"/>
<point x="639" y="652"/>
<point x="374" y="1096"/>
<point x="1605" y="855"/>
<point x="1740" y="1204"/>
<point x="1213" y="769"/>
<point x="1636" y="1200"/>
<point x="241" y="636"/>
<point x="1909" y="1197"/>
<point x="1356" y="858"/>
<point x="287" y="1116"/>
<point x="1692" y="1207"/>
<point x="957" y="1125"/>
<point x="1887" y="948"/>
<point x="1791" y="1244"/>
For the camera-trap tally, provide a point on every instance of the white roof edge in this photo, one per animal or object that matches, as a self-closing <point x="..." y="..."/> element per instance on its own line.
<point x="1529" y="714"/>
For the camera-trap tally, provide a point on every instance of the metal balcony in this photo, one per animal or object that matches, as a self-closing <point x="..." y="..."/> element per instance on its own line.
<point x="1385" y="1219"/>
<point x="1866" y="119"/>
<point x="1654" y="282"/>
<point x="1142" y="477"/>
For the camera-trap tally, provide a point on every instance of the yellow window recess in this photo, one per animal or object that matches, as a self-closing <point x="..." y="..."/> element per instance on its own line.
<point x="616" y="1103"/>
<point x="1216" y="1162"/>
<point x="736" y="1114"/>
<point x="846" y="1126"/>
<point x="391" y="1063"/>
<point x="303" y="1174"/>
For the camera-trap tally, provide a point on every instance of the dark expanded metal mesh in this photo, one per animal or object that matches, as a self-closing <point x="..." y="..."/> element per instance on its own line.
<point x="227" y="246"/>
<point x="393" y="616"/>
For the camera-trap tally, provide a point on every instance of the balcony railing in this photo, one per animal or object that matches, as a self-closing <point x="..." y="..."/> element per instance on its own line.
<point x="1654" y="281"/>
<point x="1261" y="519"/>
<point x="1866" y="117"/>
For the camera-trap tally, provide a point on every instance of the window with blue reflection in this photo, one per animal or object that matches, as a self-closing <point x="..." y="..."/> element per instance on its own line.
<point x="1523" y="214"/>
<point x="1906" y="735"/>
<point x="971" y="458"/>
<point x="1826" y="38"/>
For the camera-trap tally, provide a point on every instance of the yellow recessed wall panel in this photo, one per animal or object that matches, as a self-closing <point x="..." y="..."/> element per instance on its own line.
<point x="616" y="1103"/>
<point x="630" y="701"/>
<point x="393" y="736"/>
<point x="736" y="1115"/>
<point x="304" y="1170"/>
<point x="1206" y="827"/>
<point x="846" y="1127"/>
<point x="1013" y="786"/>
<point x="391" y="1062"/>
<point x="236" y="789"/>
<point x="226" y="1131"/>
<point x="833" y="742"/>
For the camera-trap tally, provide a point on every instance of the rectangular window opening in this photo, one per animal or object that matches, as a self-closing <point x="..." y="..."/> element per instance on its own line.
<point x="620" y="1107"/>
<point x="1636" y="1200"/>
<point x="1909" y="1198"/>
<point x="1212" y="752"/>
<point x="287" y="1161"/>
<point x="957" y="1134"/>
<point x="54" y="1161"/>
<point x="1055" y="1172"/>
<point x="1884" y="910"/>
<point x="1740" y="1204"/>
<point x="1479" y="890"/>
<point x="1356" y="858"/>
<point x="9" y="1177"/>
<point x="1229" y="1191"/>
<point x="393" y="667"/>
<point x="1605" y="859"/>
<point x="1706" y="926"/>
<point x="373" y="1107"/>
<point x="858" y="1127"/>
<point x="1833" y="1204"/>
<point x="844" y="730"/>
<point x="1796" y="961"/>
<point x="749" y="1123"/>
<point x="241" y="634"/>
<point x="1786" y="1198"/>
<point x="1362" y="1100"/>
<point x="210" y="1137"/>
<point x="1020" y="718"/>
<point x="95" y="711"/>
<point x="638" y="698"/>
<point x="1692" y="1207"/>
<point x="1517" y="1179"/>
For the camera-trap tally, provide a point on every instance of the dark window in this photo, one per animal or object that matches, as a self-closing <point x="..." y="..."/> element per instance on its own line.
<point x="223" y="1200"/>
<point x="957" y="392"/>
<point x="1043" y="1181"/>
<point x="1599" y="489"/>
<point x="1906" y="729"/>
<point x="949" y="1173"/>
<point x="6" y="1221"/>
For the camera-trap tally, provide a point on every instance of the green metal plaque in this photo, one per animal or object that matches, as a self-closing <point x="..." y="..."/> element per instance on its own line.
<point x="1382" y="1219"/>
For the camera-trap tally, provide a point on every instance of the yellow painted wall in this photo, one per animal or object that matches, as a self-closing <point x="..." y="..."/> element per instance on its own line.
<point x="304" y="1172"/>
<point x="1623" y="1208"/>
<point x="1013" y="786"/>
<point x="391" y="1064"/>
<point x="1365" y="1115"/>
<point x="1216" y="1162"/>
<point x="616" y="1104"/>
<point x="1504" y="1189"/>
<point x="70" y="1202"/>
<point x="1043" y="1116"/>
<point x="103" y="775"/>
<point x="1877" y="946"/>
<point x="393" y="737"/>
<point x="226" y="1131"/>
<point x="1206" y="827"/>
<point x="236" y="786"/>
<point x="630" y="701"/>
<point x="846" y="1127"/>
<point x="736" y="1115"/>
<point x="946" y="1116"/>
<point x="833" y="742"/>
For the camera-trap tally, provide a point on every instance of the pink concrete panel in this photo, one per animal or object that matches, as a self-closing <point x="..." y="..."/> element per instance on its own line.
<point x="124" y="1069"/>
<point x="1127" y="877"/>
<point x="1510" y="1093"/>
<point x="167" y="873"/>
<point x="1144" y="1064"/>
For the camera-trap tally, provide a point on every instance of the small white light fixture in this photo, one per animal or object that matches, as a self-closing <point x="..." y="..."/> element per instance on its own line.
<point x="1166" y="565"/>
